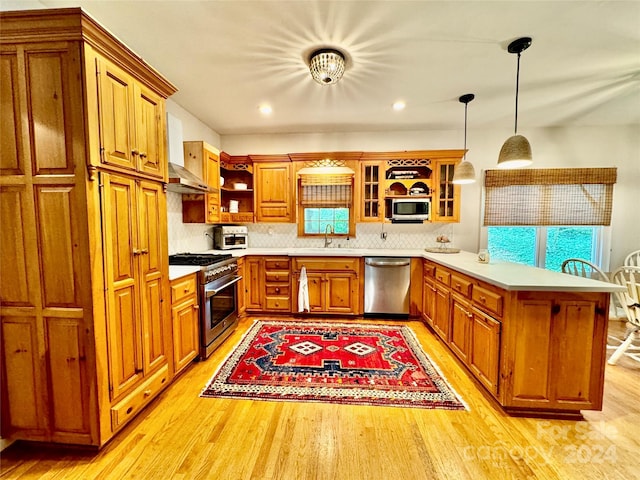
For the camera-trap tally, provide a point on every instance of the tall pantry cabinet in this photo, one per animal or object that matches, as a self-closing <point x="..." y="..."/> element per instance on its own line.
<point x="86" y="337"/>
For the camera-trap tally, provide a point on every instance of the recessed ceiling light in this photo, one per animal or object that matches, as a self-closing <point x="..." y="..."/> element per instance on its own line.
<point x="265" y="109"/>
<point x="399" y="105"/>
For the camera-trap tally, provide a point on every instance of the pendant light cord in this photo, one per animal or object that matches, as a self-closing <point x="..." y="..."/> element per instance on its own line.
<point x="465" y="130"/>
<point x="517" y="88"/>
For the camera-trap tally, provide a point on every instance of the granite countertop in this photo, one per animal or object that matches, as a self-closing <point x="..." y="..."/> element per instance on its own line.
<point x="506" y="275"/>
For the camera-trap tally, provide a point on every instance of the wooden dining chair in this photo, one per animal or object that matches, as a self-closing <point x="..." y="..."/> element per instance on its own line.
<point x="583" y="268"/>
<point x="633" y="259"/>
<point x="628" y="277"/>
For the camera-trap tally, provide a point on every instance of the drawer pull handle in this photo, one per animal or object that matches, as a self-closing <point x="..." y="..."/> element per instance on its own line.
<point x="186" y="290"/>
<point x="147" y="393"/>
<point x="483" y="299"/>
<point x="277" y="290"/>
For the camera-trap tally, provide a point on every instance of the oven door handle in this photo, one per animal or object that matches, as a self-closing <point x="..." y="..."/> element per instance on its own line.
<point x="208" y="293"/>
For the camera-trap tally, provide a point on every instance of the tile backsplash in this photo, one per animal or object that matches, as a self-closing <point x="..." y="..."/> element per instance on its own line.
<point x="192" y="237"/>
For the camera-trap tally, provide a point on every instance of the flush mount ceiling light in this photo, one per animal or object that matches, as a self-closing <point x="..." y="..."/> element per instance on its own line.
<point x="465" y="173"/>
<point x="326" y="66"/>
<point x="516" y="151"/>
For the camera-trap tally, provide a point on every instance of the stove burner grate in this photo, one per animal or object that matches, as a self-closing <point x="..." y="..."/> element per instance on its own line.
<point x="201" y="259"/>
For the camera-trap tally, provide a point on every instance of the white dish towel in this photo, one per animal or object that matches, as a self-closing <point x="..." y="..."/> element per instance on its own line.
<point x="303" y="291"/>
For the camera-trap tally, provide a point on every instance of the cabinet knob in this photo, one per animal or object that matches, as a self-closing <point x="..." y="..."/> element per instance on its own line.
<point x="136" y="251"/>
<point x="482" y="299"/>
<point x="277" y="290"/>
<point x="134" y="152"/>
<point x="147" y="393"/>
<point x="143" y="154"/>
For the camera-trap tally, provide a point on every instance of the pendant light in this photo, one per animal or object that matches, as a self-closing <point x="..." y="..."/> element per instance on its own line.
<point x="516" y="151"/>
<point x="464" y="173"/>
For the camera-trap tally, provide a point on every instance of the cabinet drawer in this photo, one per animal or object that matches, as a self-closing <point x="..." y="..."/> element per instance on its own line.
<point x="327" y="264"/>
<point x="277" y="303"/>
<point x="487" y="299"/>
<point x="429" y="269"/>
<point x="443" y="276"/>
<point x="277" y="290"/>
<point x="128" y="407"/>
<point x="276" y="263"/>
<point x="461" y="284"/>
<point x="182" y="288"/>
<point x="277" y="277"/>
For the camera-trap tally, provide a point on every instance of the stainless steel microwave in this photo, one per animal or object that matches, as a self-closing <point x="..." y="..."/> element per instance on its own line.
<point x="411" y="209"/>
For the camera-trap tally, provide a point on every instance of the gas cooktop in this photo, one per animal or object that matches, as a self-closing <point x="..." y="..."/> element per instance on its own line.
<point x="202" y="259"/>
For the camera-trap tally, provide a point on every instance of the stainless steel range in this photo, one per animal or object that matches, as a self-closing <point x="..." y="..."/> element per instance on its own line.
<point x="216" y="296"/>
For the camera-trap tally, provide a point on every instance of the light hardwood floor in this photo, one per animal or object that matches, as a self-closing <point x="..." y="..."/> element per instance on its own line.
<point x="183" y="436"/>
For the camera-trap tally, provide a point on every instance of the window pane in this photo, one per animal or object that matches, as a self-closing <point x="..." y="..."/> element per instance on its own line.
<point x="317" y="219"/>
<point x="512" y="244"/>
<point x="568" y="242"/>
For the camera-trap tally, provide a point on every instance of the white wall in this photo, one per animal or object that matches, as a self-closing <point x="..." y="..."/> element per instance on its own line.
<point x="552" y="148"/>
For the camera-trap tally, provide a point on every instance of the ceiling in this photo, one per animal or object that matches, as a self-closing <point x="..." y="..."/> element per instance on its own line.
<point x="229" y="57"/>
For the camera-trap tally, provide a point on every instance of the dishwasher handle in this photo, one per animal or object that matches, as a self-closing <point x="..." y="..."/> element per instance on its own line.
<point x="387" y="262"/>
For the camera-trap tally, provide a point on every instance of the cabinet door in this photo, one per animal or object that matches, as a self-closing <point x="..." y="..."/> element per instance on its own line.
<point x="371" y="192"/>
<point x="149" y="128"/>
<point x="341" y="293"/>
<point x="11" y="154"/>
<point x="485" y="350"/>
<point x="185" y="333"/>
<point x="115" y="107"/>
<point x="446" y="204"/>
<point x="441" y="316"/>
<point x="124" y="325"/>
<point x="22" y="376"/>
<point x="428" y="301"/>
<point x="460" y="331"/>
<point x="254" y="283"/>
<point x="315" y="286"/>
<point x="273" y="197"/>
<point x="151" y="258"/>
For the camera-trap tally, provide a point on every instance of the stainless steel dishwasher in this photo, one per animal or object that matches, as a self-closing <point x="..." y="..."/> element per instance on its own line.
<point x="386" y="285"/>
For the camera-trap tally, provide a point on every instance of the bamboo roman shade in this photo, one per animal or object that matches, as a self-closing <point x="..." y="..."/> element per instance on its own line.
<point x="556" y="196"/>
<point x="327" y="190"/>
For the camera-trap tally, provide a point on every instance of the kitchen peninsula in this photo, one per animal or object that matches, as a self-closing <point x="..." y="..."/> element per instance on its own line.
<point x="534" y="339"/>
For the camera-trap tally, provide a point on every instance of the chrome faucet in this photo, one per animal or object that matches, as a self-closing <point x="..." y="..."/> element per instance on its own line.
<point x="328" y="231"/>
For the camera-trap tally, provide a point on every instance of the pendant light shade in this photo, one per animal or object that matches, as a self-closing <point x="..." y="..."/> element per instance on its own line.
<point x="326" y="66"/>
<point x="464" y="173"/>
<point x="516" y="151"/>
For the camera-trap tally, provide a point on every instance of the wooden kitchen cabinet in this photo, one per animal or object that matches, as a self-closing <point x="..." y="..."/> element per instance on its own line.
<point x="536" y="352"/>
<point x="236" y="170"/>
<point x="484" y="355"/>
<point x="268" y="287"/>
<point x="203" y="160"/>
<point x="83" y="214"/>
<point x="184" y="317"/>
<point x="273" y="188"/>
<point x="371" y="191"/>
<point x="332" y="284"/>
<point x="460" y="327"/>
<point x="131" y="117"/>
<point x="446" y="199"/>
<point x="132" y="214"/>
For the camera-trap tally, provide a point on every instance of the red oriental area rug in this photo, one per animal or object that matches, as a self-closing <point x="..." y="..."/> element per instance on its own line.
<point x="332" y="362"/>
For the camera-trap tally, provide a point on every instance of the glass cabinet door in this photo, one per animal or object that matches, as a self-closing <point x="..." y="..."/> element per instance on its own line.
<point x="371" y="206"/>
<point x="447" y="208"/>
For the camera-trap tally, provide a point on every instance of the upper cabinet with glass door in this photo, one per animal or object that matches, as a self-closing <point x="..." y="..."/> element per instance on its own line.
<point x="423" y="174"/>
